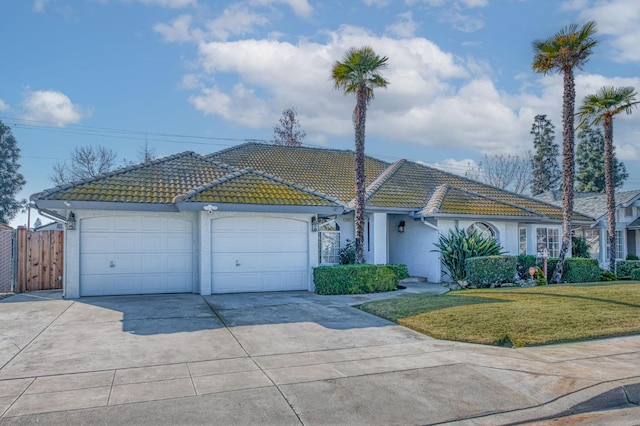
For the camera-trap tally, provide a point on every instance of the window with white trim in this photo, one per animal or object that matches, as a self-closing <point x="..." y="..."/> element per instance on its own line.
<point x="483" y="229"/>
<point x="548" y="238"/>
<point x="328" y="241"/>
<point x="522" y="247"/>
<point x="619" y="245"/>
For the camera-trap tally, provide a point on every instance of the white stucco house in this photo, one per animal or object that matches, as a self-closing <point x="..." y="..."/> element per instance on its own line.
<point x="260" y="217"/>
<point x="594" y="204"/>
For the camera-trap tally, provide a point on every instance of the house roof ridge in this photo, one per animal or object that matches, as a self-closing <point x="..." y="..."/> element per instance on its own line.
<point x="116" y="172"/>
<point x="300" y="147"/>
<point x="435" y="201"/>
<point x="383" y="177"/>
<point x="234" y="174"/>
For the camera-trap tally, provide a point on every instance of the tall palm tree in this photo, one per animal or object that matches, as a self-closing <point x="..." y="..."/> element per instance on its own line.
<point x="600" y="108"/>
<point x="359" y="73"/>
<point x="566" y="50"/>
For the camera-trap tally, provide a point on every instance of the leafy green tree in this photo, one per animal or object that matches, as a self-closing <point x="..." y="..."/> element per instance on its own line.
<point x="563" y="52"/>
<point x="288" y="131"/>
<point x="544" y="163"/>
<point x="600" y="108"/>
<point x="12" y="180"/>
<point x="589" y="159"/>
<point x="359" y="73"/>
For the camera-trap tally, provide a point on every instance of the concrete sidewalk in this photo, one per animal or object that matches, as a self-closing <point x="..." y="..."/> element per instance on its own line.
<point x="284" y="358"/>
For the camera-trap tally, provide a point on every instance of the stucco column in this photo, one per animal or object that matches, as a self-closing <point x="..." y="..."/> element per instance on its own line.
<point x="71" y="274"/>
<point x="380" y="238"/>
<point x="204" y="255"/>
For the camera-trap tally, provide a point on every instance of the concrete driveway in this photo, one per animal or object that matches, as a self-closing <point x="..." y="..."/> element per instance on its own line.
<point x="280" y="358"/>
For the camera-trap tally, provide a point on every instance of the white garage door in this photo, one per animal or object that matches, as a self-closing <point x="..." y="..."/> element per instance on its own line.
<point x="259" y="254"/>
<point x="135" y="255"/>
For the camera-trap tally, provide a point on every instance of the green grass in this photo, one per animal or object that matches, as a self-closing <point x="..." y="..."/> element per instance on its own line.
<point x="520" y="316"/>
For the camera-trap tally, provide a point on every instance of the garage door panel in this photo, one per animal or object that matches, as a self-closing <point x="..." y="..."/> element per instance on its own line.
<point x="135" y="255"/>
<point x="259" y="254"/>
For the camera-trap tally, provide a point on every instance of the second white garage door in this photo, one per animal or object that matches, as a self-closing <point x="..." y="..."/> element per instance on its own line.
<point x="259" y="254"/>
<point x="135" y="255"/>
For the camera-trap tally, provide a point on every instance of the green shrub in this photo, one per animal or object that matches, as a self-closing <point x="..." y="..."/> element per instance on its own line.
<point x="400" y="270"/>
<point x="354" y="279"/>
<point x="460" y="245"/>
<point x="541" y="281"/>
<point x="486" y="271"/>
<point x="625" y="267"/>
<point x="580" y="247"/>
<point x="635" y="275"/>
<point x="552" y="262"/>
<point x="632" y="256"/>
<point x="580" y="270"/>
<point x="348" y="253"/>
<point x="524" y="262"/>
<point x="608" y="275"/>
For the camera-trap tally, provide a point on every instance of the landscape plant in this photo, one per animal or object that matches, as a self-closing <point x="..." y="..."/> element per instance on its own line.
<point x="458" y="245"/>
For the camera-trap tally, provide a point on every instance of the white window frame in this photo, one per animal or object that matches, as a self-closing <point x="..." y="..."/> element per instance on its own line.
<point x="522" y="240"/>
<point x="620" y="244"/>
<point x="328" y="241"/>
<point x="553" y="245"/>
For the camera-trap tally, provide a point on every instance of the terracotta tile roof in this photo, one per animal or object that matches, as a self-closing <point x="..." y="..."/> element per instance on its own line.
<point x="412" y="185"/>
<point x="158" y="181"/>
<point x="326" y="170"/>
<point x="251" y="187"/>
<point x="262" y="174"/>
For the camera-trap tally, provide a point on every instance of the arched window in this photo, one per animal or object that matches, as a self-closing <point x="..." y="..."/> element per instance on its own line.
<point x="483" y="229"/>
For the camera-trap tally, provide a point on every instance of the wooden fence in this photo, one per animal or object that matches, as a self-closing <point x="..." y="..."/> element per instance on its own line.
<point x="40" y="260"/>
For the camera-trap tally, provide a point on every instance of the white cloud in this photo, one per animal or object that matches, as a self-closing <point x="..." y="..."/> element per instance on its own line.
<point x="404" y="26"/>
<point x="239" y="106"/>
<point x="50" y="106"/>
<point x="235" y="20"/>
<point x="4" y="106"/>
<point x="172" y="4"/>
<point x="301" y="8"/>
<point x="618" y="19"/>
<point x="179" y="30"/>
<point x="38" y="5"/>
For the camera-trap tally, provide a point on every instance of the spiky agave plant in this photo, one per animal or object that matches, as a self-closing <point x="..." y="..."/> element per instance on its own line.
<point x="462" y="244"/>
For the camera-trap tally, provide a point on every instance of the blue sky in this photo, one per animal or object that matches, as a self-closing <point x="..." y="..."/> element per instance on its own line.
<point x="196" y="75"/>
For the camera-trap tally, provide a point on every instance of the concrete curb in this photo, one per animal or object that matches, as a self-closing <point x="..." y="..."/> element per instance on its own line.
<point x="604" y="396"/>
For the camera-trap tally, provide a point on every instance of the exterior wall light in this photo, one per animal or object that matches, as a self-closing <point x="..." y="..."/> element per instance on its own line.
<point x="71" y="222"/>
<point x="401" y="226"/>
<point x="314" y="224"/>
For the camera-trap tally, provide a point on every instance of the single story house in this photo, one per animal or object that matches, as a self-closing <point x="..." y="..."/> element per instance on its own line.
<point x="594" y="204"/>
<point x="259" y="217"/>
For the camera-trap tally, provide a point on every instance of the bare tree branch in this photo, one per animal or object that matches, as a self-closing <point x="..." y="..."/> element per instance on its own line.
<point x="511" y="172"/>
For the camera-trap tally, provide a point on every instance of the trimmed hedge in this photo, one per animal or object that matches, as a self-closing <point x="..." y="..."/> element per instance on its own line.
<point x="635" y="275"/>
<point x="624" y="268"/>
<point x="399" y="269"/>
<point x="354" y="279"/>
<point x="486" y="271"/>
<point x="580" y="270"/>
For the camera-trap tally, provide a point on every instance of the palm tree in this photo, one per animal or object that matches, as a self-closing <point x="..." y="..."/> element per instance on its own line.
<point x="566" y="50"/>
<point x="359" y="73"/>
<point x="600" y="108"/>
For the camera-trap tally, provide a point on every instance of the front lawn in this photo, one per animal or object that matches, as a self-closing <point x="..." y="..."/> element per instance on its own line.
<point x="520" y="316"/>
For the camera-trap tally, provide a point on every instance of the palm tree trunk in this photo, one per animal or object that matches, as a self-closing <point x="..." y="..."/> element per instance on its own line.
<point x="360" y="117"/>
<point x="610" y="186"/>
<point x="568" y="169"/>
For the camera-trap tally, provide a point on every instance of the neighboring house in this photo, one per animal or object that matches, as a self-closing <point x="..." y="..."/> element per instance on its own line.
<point x="260" y="217"/>
<point x="594" y="204"/>
<point x="52" y="226"/>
